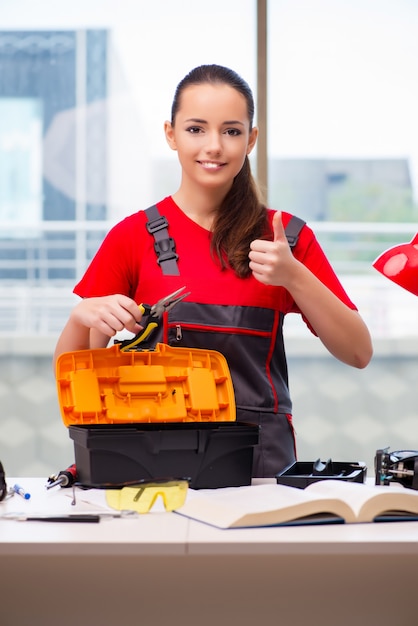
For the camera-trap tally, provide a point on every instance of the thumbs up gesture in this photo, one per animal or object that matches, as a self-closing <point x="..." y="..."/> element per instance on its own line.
<point x="271" y="261"/>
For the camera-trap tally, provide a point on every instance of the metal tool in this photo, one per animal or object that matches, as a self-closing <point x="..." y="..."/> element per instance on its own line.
<point x="154" y="315"/>
<point x="76" y="517"/>
<point x="400" y="466"/>
<point x="92" y="518"/>
<point x="65" y="478"/>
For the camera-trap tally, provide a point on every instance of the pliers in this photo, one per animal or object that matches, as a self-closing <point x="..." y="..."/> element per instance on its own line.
<point x="154" y="314"/>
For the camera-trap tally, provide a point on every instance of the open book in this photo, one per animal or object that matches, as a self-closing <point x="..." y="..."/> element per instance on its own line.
<point x="326" y="501"/>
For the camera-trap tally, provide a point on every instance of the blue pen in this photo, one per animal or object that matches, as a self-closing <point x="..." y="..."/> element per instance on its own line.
<point x="18" y="489"/>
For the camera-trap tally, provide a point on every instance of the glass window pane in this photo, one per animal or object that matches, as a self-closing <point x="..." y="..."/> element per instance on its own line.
<point x="342" y="129"/>
<point x="101" y="76"/>
<point x="343" y="102"/>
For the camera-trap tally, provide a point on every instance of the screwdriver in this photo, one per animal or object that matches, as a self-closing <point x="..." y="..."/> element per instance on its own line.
<point x="65" y="478"/>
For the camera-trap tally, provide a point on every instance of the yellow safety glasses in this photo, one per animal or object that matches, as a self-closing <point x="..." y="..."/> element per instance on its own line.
<point x="141" y="495"/>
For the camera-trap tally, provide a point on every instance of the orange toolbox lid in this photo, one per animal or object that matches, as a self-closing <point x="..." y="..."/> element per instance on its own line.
<point x="168" y="384"/>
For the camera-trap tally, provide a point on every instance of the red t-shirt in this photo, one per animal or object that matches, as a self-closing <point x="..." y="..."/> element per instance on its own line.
<point x="126" y="263"/>
<point x="223" y="312"/>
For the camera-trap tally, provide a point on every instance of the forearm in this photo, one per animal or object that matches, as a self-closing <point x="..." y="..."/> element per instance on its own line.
<point x="341" y="329"/>
<point x="73" y="337"/>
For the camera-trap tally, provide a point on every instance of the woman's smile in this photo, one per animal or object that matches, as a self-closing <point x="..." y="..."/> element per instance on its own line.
<point x="211" y="165"/>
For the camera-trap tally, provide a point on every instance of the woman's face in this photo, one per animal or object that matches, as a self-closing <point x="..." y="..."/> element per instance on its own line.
<point x="211" y="134"/>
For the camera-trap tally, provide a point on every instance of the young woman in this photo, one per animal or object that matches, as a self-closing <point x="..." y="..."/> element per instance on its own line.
<point x="233" y="258"/>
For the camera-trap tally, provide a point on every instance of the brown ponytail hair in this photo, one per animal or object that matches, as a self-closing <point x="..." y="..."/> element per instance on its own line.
<point x="242" y="216"/>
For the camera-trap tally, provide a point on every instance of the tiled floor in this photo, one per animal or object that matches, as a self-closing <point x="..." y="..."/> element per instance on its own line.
<point x="339" y="412"/>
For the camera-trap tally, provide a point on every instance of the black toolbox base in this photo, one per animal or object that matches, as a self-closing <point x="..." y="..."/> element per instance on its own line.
<point x="211" y="454"/>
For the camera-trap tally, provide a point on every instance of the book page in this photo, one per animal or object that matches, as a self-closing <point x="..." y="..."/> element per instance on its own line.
<point x="261" y="505"/>
<point x="369" y="501"/>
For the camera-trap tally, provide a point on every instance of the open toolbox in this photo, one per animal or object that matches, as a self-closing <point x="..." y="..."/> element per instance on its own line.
<point x="303" y="473"/>
<point x="168" y="384"/>
<point x="154" y="413"/>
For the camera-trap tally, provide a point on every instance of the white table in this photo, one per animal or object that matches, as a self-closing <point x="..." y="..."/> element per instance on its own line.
<point x="162" y="568"/>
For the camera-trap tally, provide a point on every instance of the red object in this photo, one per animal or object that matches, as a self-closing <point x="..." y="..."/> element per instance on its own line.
<point x="65" y="478"/>
<point x="400" y="265"/>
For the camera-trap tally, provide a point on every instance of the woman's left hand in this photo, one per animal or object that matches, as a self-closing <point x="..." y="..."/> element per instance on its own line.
<point x="271" y="261"/>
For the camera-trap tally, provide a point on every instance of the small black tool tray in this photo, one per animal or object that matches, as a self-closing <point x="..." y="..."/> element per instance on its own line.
<point x="303" y="473"/>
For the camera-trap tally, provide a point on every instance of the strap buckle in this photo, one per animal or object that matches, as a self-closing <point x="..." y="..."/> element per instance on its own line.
<point x="158" y="224"/>
<point x="165" y="250"/>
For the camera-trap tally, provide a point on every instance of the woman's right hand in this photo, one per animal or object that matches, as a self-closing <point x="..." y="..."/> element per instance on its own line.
<point x="108" y="314"/>
<point x="94" y="320"/>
